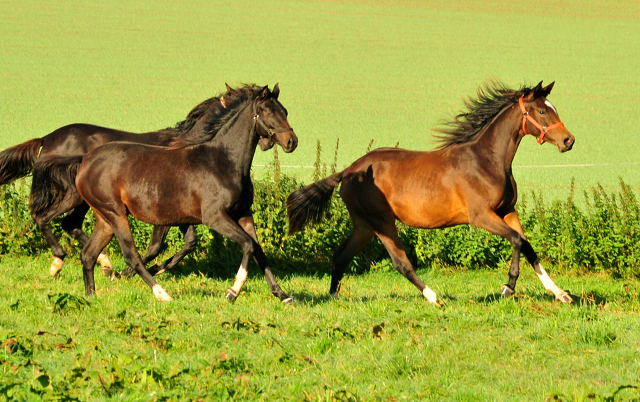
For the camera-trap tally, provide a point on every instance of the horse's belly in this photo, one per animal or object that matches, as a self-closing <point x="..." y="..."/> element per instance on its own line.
<point x="432" y="215"/>
<point x="174" y="210"/>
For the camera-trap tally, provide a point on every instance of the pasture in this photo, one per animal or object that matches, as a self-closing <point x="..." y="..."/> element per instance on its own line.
<point x="387" y="71"/>
<point x="382" y="341"/>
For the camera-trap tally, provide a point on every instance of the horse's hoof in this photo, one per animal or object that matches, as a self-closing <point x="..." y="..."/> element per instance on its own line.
<point x="506" y="291"/>
<point x="231" y="296"/>
<point x="430" y="295"/>
<point x="564" y="298"/>
<point x="56" y="266"/>
<point x="115" y="275"/>
<point x="160" y="294"/>
<point x="287" y="300"/>
<point x="105" y="264"/>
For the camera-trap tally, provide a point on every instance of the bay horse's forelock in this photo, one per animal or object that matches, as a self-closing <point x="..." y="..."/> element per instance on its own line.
<point x="468" y="180"/>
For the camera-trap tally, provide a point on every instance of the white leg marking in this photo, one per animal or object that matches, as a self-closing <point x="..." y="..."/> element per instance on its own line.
<point x="160" y="294"/>
<point x="550" y="285"/>
<point x="241" y="278"/>
<point x="430" y="295"/>
<point x="105" y="264"/>
<point x="56" y="266"/>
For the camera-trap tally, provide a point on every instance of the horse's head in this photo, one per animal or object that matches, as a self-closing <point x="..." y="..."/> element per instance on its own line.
<point x="541" y="119"/>
<point x="272" y="125"/>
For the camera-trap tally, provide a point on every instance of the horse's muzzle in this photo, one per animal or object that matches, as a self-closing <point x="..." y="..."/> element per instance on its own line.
<point x="291" y="144"/>
<point x="567" y="143"/>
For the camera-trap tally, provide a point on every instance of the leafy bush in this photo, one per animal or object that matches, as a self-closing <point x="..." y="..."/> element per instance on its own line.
<point x="599" y="237"/>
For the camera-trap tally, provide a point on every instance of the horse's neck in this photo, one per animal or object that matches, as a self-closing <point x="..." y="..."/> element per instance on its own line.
<point x="238" y="141"/>
<point x="501" y="139"/>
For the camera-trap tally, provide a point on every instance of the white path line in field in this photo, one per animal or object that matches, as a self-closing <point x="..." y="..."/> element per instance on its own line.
<point x="516" y="166"/>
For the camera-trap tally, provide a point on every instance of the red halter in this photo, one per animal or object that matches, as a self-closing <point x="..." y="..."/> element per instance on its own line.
<point x="543" y="129"/>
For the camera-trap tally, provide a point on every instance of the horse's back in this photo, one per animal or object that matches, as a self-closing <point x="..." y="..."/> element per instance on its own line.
<point x="81" y="138"/>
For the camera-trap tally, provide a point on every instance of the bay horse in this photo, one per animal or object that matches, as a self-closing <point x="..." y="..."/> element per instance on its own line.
<point x="466" y="180"/>
<point x="201" y="177"/>
<point x="78" y="139"/>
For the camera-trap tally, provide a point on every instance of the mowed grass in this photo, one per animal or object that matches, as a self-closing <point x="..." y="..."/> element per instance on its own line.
<point x="354" y="70"/>
<point x="380" y="340"/>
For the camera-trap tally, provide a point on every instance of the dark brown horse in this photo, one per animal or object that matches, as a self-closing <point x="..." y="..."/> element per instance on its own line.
<point x="201" y="177"/>
<point x="79" y="139"/>
<point x="467" y="179"/>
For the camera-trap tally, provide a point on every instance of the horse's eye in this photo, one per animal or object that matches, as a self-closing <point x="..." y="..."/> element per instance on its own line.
<point x="541" y="111"/>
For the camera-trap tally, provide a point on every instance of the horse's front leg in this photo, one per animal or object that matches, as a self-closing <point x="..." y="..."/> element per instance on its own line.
<point x="222" y="223"/>
<point x="513" y="221"/>
<point x="248" y="225"/>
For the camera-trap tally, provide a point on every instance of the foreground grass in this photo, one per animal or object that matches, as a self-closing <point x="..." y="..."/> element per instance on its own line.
<point x="381" y="340"/>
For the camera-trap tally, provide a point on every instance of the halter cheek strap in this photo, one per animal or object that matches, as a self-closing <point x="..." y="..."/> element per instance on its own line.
<point x="543" y="129"/>
<point x="270" y="131"/>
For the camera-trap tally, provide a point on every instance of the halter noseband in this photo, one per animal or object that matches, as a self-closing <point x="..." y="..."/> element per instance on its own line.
<point x="543" y="129"/>
<point x="270" y="131"/>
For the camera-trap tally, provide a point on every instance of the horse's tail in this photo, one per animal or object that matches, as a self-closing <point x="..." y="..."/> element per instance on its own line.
<point x="17" y="161"/>
<point x="53" y="178"/>
<point x="311" y="202"/>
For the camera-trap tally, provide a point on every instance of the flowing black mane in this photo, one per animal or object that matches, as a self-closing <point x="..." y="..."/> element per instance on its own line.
<point x="492" y="98"/>
<point x="219" y="113"/>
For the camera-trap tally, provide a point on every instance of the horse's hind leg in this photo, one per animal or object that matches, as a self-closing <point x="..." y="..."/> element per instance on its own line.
<point x="101" y="236"/>
<point x="358" y="238"/>
<point x="388" y="234"/>
<point x="190" y="240"/>
<point x="44" y="224"/>
<point x="248" y="225"/>
<point x="72" y="224"/>
<point x="513" y="221"/>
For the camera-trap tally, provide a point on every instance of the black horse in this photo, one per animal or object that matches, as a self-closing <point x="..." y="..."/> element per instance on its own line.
<point x="205" y="178"/>
<point x="78" y="139"/>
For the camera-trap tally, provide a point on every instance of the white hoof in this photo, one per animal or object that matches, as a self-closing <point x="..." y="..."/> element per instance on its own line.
<point x="430" y="295"/>
<point x="564" y="297"/>
<point x="56" y="266"/>
<point x="160" y="294"/>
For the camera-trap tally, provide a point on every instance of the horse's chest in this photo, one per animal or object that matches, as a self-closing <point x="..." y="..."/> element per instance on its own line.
<point x="508" y="196"/>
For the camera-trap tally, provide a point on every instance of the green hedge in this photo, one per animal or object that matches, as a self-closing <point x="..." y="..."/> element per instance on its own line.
<point x="599" y="236"/>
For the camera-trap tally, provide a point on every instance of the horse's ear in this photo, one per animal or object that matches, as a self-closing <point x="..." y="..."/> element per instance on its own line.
<point x="265" y="92"/>
<point x="229" y="89"/>
<point x="276" y="91"/>
<point x="546" y="90"/>
<point x="535" y="92"/>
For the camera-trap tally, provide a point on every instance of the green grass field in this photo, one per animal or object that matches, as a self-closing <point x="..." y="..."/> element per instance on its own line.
<point x="386" y="70"/>
<point x="353" y="70"/>
<point x="381" y="341"/>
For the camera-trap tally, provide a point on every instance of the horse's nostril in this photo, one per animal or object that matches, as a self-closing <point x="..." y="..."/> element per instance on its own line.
<point x="292" y="142"/>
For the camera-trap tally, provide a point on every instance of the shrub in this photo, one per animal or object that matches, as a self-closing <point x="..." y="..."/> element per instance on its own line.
<point x="599" y="237"/>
